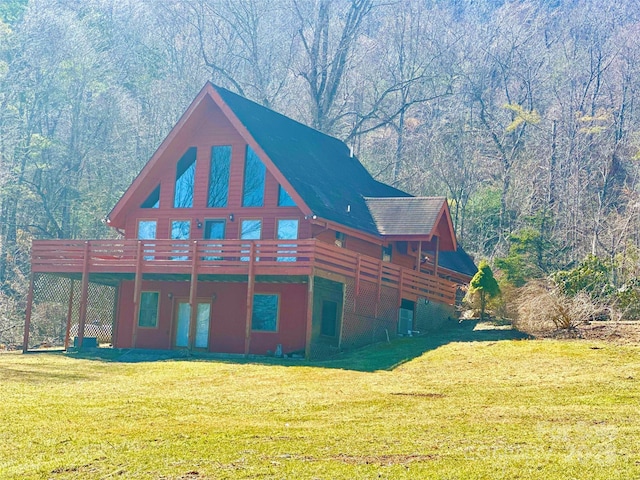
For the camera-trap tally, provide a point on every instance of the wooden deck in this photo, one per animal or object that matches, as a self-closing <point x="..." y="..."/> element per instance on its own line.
<point x="232" y="257"/>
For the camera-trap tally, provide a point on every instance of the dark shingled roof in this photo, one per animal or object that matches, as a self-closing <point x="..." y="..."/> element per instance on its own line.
<point x="458" y="261"/>
<point x="319" y="167"/>
<point x="405" y="215"/>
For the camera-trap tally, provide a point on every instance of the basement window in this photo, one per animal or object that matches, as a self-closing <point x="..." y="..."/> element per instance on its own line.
<point x="148" y="315"/>
<point x="265" y="312"/>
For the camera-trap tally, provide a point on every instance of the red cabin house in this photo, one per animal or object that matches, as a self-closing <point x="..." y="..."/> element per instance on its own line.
<point x="249" y="233"/>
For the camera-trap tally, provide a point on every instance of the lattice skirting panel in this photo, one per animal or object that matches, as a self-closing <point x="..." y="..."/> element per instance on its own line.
<point x="368" y="318"/>
<point x="55" y="298"/>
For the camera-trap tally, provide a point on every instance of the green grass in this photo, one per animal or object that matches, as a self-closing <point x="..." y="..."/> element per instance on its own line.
<point x="445" y="407"/>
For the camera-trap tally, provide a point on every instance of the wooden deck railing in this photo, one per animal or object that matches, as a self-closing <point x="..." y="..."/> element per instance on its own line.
<point x="270" y="257"/>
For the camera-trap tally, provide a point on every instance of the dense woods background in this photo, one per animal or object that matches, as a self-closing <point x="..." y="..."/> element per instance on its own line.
<point x="526" y="114"/>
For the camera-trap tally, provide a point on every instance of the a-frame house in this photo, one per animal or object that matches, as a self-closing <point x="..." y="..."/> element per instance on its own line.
<point x="248" y="232"/>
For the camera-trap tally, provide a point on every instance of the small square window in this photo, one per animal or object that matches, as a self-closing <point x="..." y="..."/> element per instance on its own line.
<point x="265" y="312"/>
<point x="148" y="316"/>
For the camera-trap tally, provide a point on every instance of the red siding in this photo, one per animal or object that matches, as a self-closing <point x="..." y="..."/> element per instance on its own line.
<point x="206" y="128"/>
<point x="228" y="316"/>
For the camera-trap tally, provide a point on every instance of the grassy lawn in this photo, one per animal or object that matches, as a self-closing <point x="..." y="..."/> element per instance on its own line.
<point x="458" y="405"/>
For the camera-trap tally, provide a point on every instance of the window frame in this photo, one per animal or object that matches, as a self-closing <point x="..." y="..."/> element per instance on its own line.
<point x="179" y="177"/>
<point x="277" y="319"/>
<point x="157" y="314"/>
<point x="282" y="190"/>
<point x="227" y="179"/>
<point x="245" y="179"/>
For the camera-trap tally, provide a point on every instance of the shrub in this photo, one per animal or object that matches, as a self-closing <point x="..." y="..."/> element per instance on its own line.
<point x="543" y="309"/>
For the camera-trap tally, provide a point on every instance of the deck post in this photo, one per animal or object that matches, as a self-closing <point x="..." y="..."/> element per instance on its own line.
<point x="27" y="317"/>
<point x="69" y="314"/>
<point x="379" y="288"/>
<point x="419" y="259"/>
<point x="309" y="332"/>
<point x="193" y="295"/>
<point x="250" y="288"/>
<point x="137" y="287"/>
<point x="435" y="260"/>
<point x="355" y="297"/>
<point x="400" y="287"/>
<point x="83" y="295"/>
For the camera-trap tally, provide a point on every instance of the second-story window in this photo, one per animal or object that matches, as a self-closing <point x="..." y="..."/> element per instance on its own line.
<point x="219" y="176"/>
<point x="287" y="230"/>
<point x="254" y="175"/>
<point x="153" y="200"/>
<point x="284" y="199"/>
<point x="185" y="180"/>
<point x="180" y="230"/>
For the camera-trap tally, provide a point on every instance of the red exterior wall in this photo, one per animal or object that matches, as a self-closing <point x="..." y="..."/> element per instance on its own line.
<point x="228" y="316"/>
<point x="206" y="128"/>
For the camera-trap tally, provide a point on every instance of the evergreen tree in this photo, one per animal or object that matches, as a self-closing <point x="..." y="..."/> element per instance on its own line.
<point x="484" y="286"/>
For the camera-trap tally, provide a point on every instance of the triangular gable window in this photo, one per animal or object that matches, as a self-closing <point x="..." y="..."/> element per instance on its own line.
<point x="185" y="179"/>
<point x="284" y="199"/>
<point x="153" y="200"/>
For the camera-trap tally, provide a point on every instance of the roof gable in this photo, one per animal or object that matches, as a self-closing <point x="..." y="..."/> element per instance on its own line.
<point x="317" y="170"/>
<point x="403" y="217"/>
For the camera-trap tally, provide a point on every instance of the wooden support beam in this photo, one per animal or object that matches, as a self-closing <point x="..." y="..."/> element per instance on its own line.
<point x="355" y="297"/>
<point x="250" y="288"/>
<point x="27" y="316"/>
<point x="375" y="314"/>
<point x="193" y="295"/>
<point x="419" y="259"/>
<point x="137" y="292"/>
<point x="67" y="333"/>
<point x="400" y="286"/>
<point x="344" y="297"/>
<point x="82" y="318"/>
<point x="436" y="258"/>
<point x="309" y="331"/>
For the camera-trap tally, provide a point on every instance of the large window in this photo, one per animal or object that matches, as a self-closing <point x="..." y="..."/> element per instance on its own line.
<point x="284" y="199"/>
<point x="185" y="180"/>
<point x="265" y="312"/>
<point x="219" y="176"/>
<point x="250" y="230"/>
<point x="147" y="231"/>
<point x="254" y="175"/>
<point x="214" y="230"/>
<point x="148" y="315"/>
<point x="180" y="230"/>
<point x="287" y="230"/>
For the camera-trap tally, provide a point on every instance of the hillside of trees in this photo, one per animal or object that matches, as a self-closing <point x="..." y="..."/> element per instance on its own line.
<point x="524" y="114"/>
